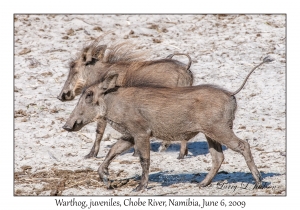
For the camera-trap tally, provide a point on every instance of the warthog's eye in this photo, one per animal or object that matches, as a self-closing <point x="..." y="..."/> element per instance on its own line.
<point x="92" y="62"/>
<point x="72" y="64"/>
<point x="89" y="97"/>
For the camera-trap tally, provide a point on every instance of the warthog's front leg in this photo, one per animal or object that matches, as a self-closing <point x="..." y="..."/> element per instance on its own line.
<point x="216" y="152"/>
<point x="120" y="146"/>
<point x="101" y="125"/>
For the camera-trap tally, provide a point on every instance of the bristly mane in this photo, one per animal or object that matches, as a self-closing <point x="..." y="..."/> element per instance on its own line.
<point x="119" y="53"/>
<point x="124" y="53"/>
<point x="94" y="46"/>
<point x="123" y="56"/>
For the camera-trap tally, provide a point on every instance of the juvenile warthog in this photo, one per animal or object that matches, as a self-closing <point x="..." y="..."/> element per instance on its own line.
<point x="95" y="61"/>
<point x="166" y="113"/>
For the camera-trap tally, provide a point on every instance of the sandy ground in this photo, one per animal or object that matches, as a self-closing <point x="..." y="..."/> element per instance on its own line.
<point x="49" y="161"/>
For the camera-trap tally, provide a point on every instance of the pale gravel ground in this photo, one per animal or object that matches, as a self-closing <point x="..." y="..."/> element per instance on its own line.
<point x="223" y="49"/>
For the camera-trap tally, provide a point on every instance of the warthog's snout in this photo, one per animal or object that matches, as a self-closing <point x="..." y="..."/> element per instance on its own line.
<point x="73" y="126"/>
<point x="65" y="96"/>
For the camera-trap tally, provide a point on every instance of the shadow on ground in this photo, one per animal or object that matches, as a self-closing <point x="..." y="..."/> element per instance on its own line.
<point x="167" y="179"/>
<point x="195" y="148"/>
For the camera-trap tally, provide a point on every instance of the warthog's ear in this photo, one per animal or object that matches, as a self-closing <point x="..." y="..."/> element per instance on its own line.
<point x="94" y="52"/>
<point x="84" y="54"/>
<point x="106" y="55"/>
<point x="110" y="81"/>
<point x="88" y="55"/>
<point x="99" y="52"/>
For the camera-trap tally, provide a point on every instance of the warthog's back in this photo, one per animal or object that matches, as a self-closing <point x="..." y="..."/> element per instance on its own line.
<point x="170" y="113"/>
<point x="161" y="73"/>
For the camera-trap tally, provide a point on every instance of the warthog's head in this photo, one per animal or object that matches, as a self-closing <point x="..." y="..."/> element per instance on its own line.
<point x="91" y="105"/>
<point x="78" y="73"/>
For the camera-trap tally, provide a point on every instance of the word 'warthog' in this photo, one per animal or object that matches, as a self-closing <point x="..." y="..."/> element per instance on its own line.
<point x="167" y="113"/>
<point x="95" y="61"/>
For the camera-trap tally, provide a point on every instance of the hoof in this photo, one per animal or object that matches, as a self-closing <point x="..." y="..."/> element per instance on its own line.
<point x="90" y="155"/>
<point x="203" y="184"/>
<point x="103" y="176"/>
<point x="161" y="149"/>
<point x="139" y="188"/>
<point x="106" y="181"/>
<point x="258" y="180"/>
<point x="180" y="157"/>
<point x="186" y="152"/>
<point x="258" y="184"/>
<point x="135" y="154"/>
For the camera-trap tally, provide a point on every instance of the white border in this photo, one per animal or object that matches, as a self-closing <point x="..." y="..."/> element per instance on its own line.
<point x="8" y="201"/>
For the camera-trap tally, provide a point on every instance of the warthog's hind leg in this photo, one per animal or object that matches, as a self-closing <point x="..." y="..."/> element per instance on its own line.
<point x="225" y="135"/>
<point x="217" y="155"/>
<point x="164" y="145"/>
<point x="243" y="147"/>
<point x="142" y="147"/>
<point x="183" y="149"/>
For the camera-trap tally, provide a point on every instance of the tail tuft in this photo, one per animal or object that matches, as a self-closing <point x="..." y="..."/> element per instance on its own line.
<point x="268" y="59"/>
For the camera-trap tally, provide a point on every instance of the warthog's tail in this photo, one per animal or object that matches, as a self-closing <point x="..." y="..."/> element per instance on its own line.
<point x="265" y="60"/>
<point x="190" y="60"/>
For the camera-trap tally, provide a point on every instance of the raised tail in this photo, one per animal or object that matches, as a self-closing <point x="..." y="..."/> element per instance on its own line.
<point x="190" y="60"/>
<point x="265" y="60"/>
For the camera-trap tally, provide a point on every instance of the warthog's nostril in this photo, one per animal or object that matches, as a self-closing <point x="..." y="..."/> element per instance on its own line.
<point x="61" y="97"/>
<point x="68" y="94"/>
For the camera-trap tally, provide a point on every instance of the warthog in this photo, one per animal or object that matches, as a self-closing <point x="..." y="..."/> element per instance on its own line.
<point x="97" y="60"/>
<point x="167" y="113"/>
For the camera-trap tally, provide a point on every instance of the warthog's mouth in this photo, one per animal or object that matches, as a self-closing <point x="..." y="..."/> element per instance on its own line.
<point x="77" y="125"/>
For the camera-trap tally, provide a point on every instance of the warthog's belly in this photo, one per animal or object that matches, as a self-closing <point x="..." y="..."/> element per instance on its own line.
<point x="163" y="134"/>
<point x="174" y="137"/>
